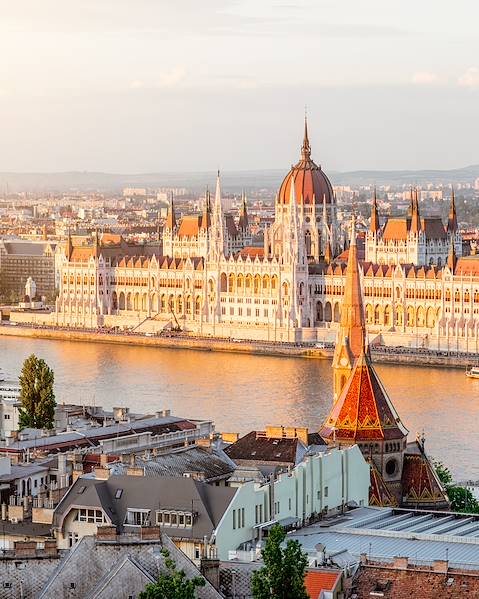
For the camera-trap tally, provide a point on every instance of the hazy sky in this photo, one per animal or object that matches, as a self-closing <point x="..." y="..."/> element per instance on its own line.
<point x="157" y="85"/>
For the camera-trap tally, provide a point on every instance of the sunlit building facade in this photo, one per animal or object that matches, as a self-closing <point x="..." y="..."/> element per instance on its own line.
<point x="206" y="277"/>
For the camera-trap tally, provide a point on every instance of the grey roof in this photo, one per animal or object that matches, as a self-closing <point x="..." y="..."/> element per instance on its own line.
<point x="104" y="570"/>
<point x="151" y="493"/>
<point x="215" y="464"/>
<point x="22" y="471"/>
<point x="28" y="248"/>
<point x="94" y="434"/>
<point x="383" y="533"/>
<point x="26" y="528"/>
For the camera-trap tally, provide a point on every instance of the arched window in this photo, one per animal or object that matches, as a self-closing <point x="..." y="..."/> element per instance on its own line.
<point x="223" y="283"/>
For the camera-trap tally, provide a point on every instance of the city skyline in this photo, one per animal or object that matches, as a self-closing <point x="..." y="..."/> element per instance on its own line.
<point x="168" y="88"/>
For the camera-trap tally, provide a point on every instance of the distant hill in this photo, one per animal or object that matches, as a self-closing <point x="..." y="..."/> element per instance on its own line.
<point x="233" y="181"/>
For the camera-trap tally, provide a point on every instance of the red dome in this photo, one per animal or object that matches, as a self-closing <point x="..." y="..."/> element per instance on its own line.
<point x="311" y="184"/>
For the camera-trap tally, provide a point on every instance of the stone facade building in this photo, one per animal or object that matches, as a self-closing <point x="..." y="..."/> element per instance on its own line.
<point x="207" y="279"/>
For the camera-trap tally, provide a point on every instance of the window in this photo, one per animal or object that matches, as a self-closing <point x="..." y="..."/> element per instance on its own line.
<point x="234" y="519"/>
<point x="137" y="517"/>
<point x="326" y="491"/>
<point x="7" y="416"/>
<point x="197" y="552"/>
<point x="90" y="516"/>
<point x="72" y="538"/>
<point x="118" y="493"/>
<point x="289" y="504"/>
<point x="173" y="518"/>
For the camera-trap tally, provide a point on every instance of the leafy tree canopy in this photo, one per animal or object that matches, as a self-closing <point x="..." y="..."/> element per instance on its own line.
<point x="282" y="576"/>
<point x="36" y="394"/>
<point x="462" y="500"/>
<point x="174" y="584"/>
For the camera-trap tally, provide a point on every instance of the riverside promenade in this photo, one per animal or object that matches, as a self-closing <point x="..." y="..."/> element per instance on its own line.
<point x="381" y="354"/>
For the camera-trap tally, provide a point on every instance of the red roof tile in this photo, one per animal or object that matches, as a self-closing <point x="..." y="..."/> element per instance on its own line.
<point x="317" y="581"/>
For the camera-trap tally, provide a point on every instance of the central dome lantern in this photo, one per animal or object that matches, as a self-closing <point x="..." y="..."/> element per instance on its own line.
<point x="312" y="186"/>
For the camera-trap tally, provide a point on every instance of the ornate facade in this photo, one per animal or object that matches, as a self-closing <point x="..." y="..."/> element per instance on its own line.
<point x="206" y="278"/>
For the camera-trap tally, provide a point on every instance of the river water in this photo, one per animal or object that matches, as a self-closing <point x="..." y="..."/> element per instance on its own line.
<point x="245" y="392"/>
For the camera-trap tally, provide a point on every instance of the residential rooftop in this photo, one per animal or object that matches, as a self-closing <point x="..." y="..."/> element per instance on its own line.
<point x="385" y="533"/>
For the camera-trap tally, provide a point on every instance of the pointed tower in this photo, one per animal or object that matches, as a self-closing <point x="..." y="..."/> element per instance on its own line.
<point x="374" y="225"/>
<point x="217" y="226"/>
<point x="351" y="335"/>
<point x="415" y="217"/>
<point x="306" y="148"/>
<point x="206" y="216"/>
<point x="452" y="259"/>
<point x="452" y="221"/>
<point x="69" y="246"/>
<point x="171" y="217"/>
<point x="243" y="218"/>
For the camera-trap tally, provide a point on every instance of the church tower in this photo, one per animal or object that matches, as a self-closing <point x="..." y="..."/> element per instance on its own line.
<point x="351" y="335"/>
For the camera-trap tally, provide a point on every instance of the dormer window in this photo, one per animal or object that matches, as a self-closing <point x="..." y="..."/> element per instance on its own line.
<point x="137" y="517"/>
<point x="174" y="518"/>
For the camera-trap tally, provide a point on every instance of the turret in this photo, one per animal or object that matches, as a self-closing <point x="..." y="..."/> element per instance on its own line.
<point x="243" y="219"/>
<point x="452" y="259"/>
<point x="69" y="246"/>
<point x="171" y="217"/>
<point x="415" y="217"/>
<point x="452" y="221"/>
<point x="374" y="225"/>
<point x="352" y="332"/>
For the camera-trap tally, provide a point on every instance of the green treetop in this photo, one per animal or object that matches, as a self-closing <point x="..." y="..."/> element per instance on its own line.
<point x="282" y="576"/>
<point x="36" y="394"/>
<point x="173" y="585"/>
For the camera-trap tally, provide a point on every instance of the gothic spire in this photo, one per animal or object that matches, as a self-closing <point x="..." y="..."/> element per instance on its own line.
<point x="452" y="259"/>
<point x="243" y="219"/>
<point x="306" y="148"/>
<point x="351" y="339"/>
<point x="374" y="226"/>
<point x="415" y="217"/>
<point x="452" y="222"/>
<point x="205" y="218"/>
<point x="171" y="217"/>
<point x="69" y="246"/>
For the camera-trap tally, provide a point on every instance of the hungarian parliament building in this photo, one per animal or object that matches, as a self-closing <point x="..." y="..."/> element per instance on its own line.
<point x="207" y="279"/>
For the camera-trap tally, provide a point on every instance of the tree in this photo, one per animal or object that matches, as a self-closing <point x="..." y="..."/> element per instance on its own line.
<point x="173" y="585"/>
<point x="443" y="473"/>
<point x="462" y="500"/>
<point x="36" y="394"/>
<point x="282" y="576"/>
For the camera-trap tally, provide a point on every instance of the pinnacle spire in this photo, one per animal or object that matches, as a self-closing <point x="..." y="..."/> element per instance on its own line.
<point x="243" y="219"/>
<point x="374" y="226"/>
<point x="171" y="217"/>
<point x="452" y="259"/>
<point x="306" y="148"/>
<point x="415" y="217"/>
<point x="452" y="222"/>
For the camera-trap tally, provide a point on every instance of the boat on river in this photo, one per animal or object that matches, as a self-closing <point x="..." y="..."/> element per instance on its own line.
<point x="473" y="372"/>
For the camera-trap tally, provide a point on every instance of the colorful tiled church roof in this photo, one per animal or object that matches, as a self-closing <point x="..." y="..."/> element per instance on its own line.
<point x="420" y="484"/>
<point x="363" y="411"/>
<point x="379" y="494"/>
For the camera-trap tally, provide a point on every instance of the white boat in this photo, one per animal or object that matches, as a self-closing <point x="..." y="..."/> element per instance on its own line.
<point x="473" y="372"/>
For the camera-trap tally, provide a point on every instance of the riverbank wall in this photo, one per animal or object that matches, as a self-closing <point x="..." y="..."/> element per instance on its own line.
<point x="422" y="358"/>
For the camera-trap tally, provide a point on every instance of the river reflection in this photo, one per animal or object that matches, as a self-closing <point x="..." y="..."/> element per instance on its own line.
<point x="244" y="392"/>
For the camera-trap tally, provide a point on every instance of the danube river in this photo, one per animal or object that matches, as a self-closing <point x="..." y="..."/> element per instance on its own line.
<point x="245" y="392"/>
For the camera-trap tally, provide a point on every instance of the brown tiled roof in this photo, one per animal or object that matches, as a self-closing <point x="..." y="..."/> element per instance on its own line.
<point x="396" y="229"/>
<point x="379" y="494"/>
<point x="467" y="266"/>
<point x="363" y="411"/>
<point x="317" y="581"/>
<point x="420" y="485"/>
<point x="256" y="447"/>
<point x="252" y="252"/>
<point x="189" y="226"/>
<point x="386" y="581"/>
